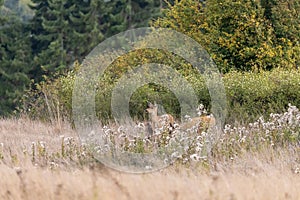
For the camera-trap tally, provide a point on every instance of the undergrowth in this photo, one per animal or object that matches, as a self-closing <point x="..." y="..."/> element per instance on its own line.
<point x="274" y="133"/>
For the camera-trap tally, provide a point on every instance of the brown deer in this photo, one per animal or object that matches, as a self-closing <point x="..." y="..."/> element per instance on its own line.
<point x="201" y="123"/>
<point x="159" y="121"/>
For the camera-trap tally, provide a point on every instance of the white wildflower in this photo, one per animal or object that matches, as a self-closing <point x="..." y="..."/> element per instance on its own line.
<point x="148" y="167"/>
<point x="195" y="157"/>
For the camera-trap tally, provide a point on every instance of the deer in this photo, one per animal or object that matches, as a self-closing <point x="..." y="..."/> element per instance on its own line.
<point x="201" y="123"/>
<point x="159" y="121"/>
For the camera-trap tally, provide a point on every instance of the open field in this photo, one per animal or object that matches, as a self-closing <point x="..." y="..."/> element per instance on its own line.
<point x="43" y="161"/>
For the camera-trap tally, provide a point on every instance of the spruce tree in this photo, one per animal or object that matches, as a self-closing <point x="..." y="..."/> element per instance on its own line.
<point x="56" y="25"/>
<point x="128" y="14"/>
<point x="39" y="39"/>
<point x="65" y="31"/>
<point x="15" y="58"/>
<point x="85" y="28"/>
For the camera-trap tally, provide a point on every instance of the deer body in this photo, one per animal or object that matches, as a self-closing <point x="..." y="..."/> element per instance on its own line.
<point x="201" y="123"/>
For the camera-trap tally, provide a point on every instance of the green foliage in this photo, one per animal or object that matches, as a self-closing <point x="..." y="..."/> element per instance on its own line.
<point x="127" y="14"/>
<point x="249" y="95"/>
<point x="15" y="59"/>
<point x="50" y="99"/>
<point x="286" y="22"/>
<point x="247" y="35"/>
<point x="64" y="31"/>
<point x="239" y="35"/>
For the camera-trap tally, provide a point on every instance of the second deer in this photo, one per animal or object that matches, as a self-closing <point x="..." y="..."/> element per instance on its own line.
<point x="200" y="124"/>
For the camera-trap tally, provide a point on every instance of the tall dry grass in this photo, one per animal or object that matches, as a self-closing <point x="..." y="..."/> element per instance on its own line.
<point x="37" y="162"/>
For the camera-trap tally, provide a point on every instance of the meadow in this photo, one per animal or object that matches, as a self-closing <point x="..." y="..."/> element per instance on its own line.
<point x="261" y="160"/>
<point x="253" y="154"/>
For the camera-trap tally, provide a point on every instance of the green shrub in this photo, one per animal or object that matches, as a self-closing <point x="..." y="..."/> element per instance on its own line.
<point x="249" y="95"/>
<point x="51" y="99"/>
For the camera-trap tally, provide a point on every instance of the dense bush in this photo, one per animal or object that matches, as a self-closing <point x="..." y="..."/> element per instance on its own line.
<point x="249" y="95"/>
<point x="252" y="94"/>
<point x="54" y="94"/>
<point x="240" y="35"/>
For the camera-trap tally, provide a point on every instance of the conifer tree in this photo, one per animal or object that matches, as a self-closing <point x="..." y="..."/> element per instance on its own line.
<point x="65" y="31"/>
<point x="56" y="25"/>
<point x="128" y="14"/>
<point x="15" y="58"/>
<point x="86" y="30"/>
